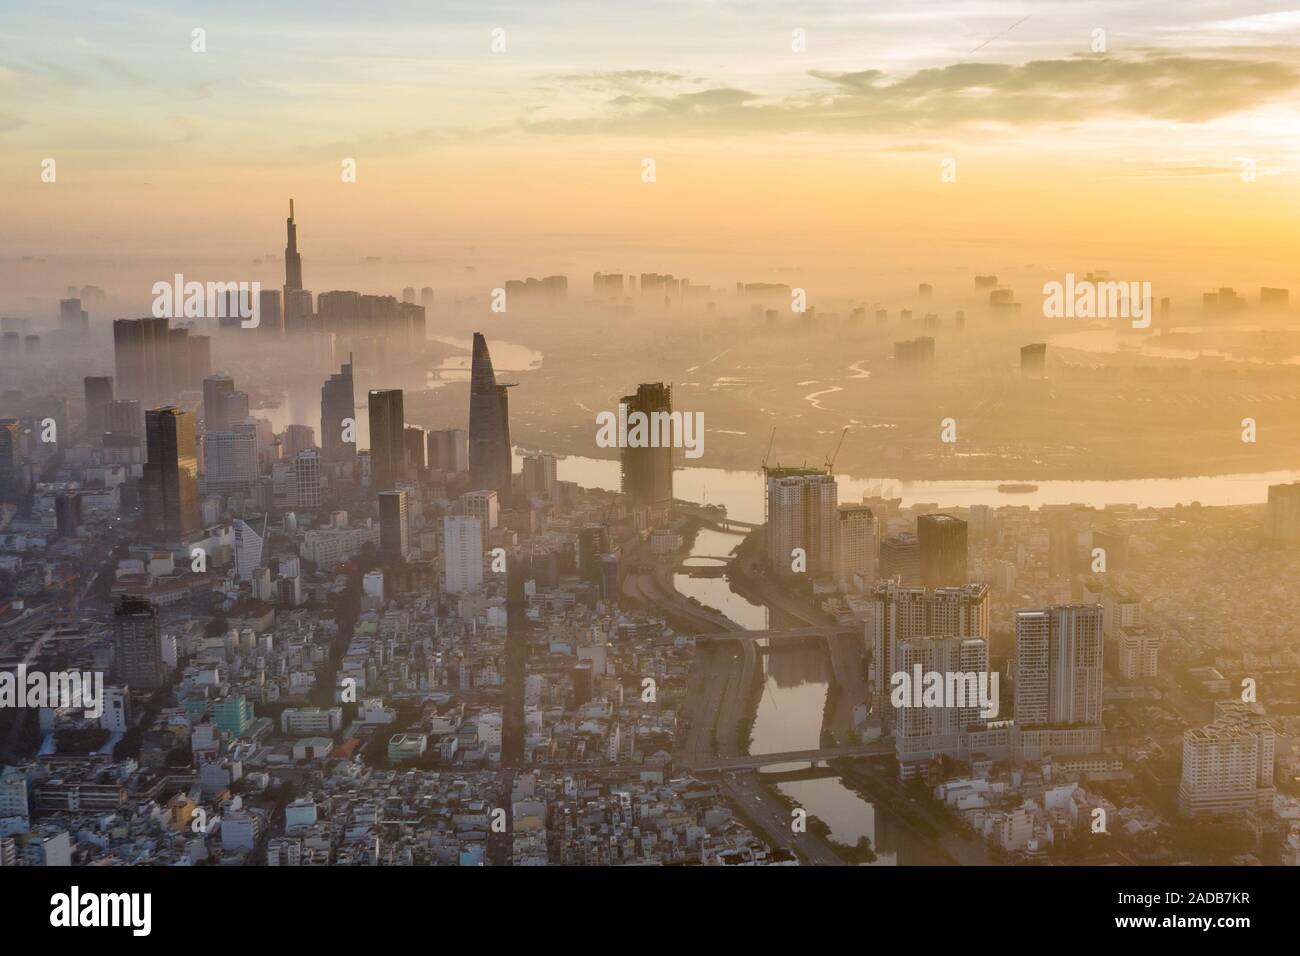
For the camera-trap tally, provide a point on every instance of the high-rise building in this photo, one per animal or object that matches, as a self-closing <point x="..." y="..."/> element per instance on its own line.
<point x="337" y="405"/>
<point x="801" y="513"/>
<point x="137" y="645"/>
<point x="903" y="613"/>
<point x="10" y="463"/>
<point x="216" y="388"/>
<point x="539" y="474"/>
<point x="248" y="548"/>
<point x="483" y="505"/>
<point x="855" y="543"/>
<point x="387" y="439"/>
<point x="292" y="273"/>
<point x="99" y="392"/>
<point x="489" y="424"/>
<point x="462" y="553"/>
<point x="448" y="450"/>
<point x="922" y="730"/>
<point x="230" y="460"/>
<point x="72" y="315"/>
<point x="942" y="540"/>
<point x="900" y="559"/>
<point x="1138" y="653"/>
<point x="270" y="318"/>
<point x="169" y="489"/>
<point x="306" y="479"/>
<point x="416" y="452"/>
<point x="593" y="541"/>
<point x="1059" y="665"/>
<point x="123" y="417"/>
<point x="393" y="528"/>
<point x="1228" y="764"/>
<point x="648" y="472"/>
<point x="1033" y="360"/>
<point x="296" y="438"/>
<point x="1282" y="521"/>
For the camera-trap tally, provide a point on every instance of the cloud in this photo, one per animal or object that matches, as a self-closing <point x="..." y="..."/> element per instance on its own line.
<point x="1152" y="85"/>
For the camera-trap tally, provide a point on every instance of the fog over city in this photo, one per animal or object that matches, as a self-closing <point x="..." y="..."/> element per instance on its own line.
<point x="686" y="434"/>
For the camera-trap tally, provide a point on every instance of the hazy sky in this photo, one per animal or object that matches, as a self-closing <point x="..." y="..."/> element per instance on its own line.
<point x="765" y="157"/>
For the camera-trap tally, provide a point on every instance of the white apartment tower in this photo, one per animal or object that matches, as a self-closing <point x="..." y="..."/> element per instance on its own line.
<point x="462" y="553"/>
<point x="1228" y="764"/>
<point x="1058" y="666"/>
<point x="855" y="543"/>
<point x="801" y="513"/>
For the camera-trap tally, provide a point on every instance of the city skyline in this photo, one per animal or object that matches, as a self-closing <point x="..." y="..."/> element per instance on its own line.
<point x="743" y="433"/>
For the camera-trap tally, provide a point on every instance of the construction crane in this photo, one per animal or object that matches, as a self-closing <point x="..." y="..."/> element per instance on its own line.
<point x="830" y="462"/>
<point x="768" y="454"/>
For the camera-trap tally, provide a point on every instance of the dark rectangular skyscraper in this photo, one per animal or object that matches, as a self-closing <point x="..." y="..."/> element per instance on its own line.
<point x="216" y="390"/>
<point x="900" y="559"/>
<point x="169" y="491"/>
<point x="393" y="524"/>
<point x="648" y="472"/>
<point x="387" y="439"/>
<point x="137" y="645"/>
<point x="489" y="425"/>
<point x="99" y="392"/>
<point x="337" y="403"/>
<point x="943" y="550"/>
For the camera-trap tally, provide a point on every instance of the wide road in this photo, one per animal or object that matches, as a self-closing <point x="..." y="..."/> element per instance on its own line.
<point x="771" y="816"/>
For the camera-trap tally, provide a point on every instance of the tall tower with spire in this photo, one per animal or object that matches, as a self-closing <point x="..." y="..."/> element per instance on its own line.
<point x="297" y="303"/>
<point x="489" y="425"/>
<point x="292" y="260"/>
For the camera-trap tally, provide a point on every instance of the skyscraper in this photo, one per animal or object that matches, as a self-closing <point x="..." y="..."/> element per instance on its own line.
<point x="137" y="644"/>
<point x="292" y="260"/>
<point x="306" y="479"/>
<point x="170" y="485"/>
<point x="942" y="540"/>
<point x="448" y="450"/>
<point x="230" y="460"/>
<point x="539" y="474"/>
<point x="10" y="467"/>
<point x="593" y="541"/>
<point x="393" y="534"/>
<point x="648" y="472"/>
<point x="462" y="553"/>
<point x="801" y="513"/>
<point x="489" y="424"/>
<point x="1228" y="764"/>
<point x="296" y="308"/>
<point x="248" y="548"/>
<point x="1282" y="520"/>
<point x="216" y="389"/>
<point x="416" y="450"/>
<point x="903" y="613"/>
<point x="483" y="505"/>
<point x="387" y="439"/>
<point x="900" y="559"/>
<point x="921" y="731"/>
<point x="337" y="403"/>
<point x="99" y="392"/>
<point x="1058" y="666"/>
<point x="855" y="543"/>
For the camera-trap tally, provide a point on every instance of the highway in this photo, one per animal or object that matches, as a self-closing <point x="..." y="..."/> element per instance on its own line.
<point x="770" y="815"/>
